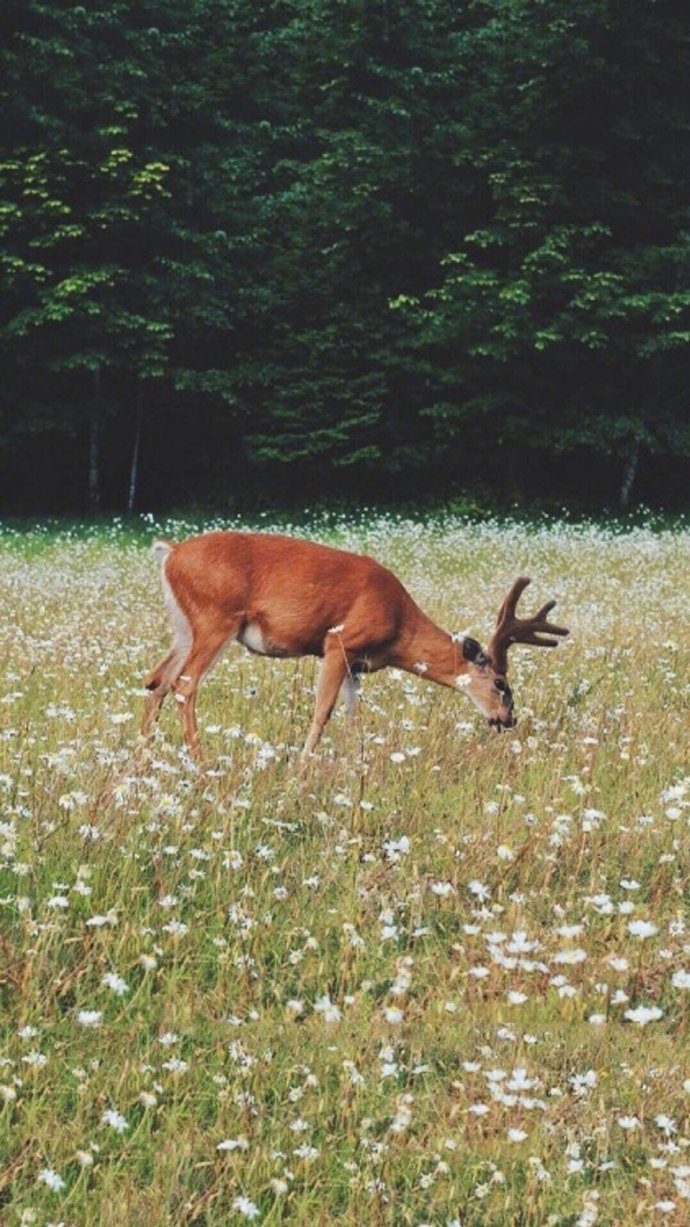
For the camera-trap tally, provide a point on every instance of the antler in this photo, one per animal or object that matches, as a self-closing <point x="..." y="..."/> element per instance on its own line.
<point x="511" y="629"/>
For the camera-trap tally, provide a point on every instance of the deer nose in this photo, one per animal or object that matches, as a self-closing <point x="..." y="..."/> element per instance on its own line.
<point x="508" y="723"/>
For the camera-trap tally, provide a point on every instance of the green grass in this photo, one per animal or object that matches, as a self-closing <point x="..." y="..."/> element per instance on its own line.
<point x="264" y="926"/>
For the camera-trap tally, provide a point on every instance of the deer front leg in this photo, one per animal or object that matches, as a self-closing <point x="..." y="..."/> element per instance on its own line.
<point x="334" y="670"/>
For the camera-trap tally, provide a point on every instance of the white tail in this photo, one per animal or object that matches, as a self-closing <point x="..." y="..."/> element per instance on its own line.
<point x="282" y="597"/>
<point x="161" y="549"/>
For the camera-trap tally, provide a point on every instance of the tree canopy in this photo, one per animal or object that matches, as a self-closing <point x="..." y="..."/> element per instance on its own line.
<point x="344" y="246"/>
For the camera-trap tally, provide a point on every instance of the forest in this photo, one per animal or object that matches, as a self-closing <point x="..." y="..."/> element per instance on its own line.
<point x="344" y="249"/>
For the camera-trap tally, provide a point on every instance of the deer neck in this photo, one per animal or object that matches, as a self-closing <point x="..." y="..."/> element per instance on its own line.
<point x="432" y="653"/>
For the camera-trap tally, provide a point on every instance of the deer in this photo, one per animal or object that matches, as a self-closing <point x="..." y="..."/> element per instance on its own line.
<point x="280" y="596"/>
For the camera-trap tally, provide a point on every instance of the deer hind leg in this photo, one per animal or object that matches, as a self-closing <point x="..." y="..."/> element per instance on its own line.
<point x="158" y="683"/>
<point x="160" y="680"/>
<point x="207" y="647"/>
<point x="334" y="671"/>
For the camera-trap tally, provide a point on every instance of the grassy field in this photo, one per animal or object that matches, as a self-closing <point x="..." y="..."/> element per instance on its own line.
<point x="443" y="979"/>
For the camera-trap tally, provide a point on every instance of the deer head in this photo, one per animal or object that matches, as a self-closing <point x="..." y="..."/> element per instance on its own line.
<point x="488" y="686"/>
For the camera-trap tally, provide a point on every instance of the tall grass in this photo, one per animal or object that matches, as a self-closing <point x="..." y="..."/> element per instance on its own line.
<point x="445" y="978"/>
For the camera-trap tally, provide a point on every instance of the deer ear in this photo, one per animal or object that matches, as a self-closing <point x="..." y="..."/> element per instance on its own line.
<point x="471" y="650"/>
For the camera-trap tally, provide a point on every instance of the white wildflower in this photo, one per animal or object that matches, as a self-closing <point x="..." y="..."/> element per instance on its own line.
<point x="642" y="928"/>
<point x="643" y="1014"/>
<point x="330" y="1012"/>
<point x="115" y="982"/>
<point x="90" y="1018"/>
<point x="240" y="1143"/>
<point x="115" y="1119"/>
<point x="51" y="1178"/>
<point x="245" y="1206"/>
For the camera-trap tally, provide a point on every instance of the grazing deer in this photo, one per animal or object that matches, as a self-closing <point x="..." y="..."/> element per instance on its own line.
<point x="282" y="597"/>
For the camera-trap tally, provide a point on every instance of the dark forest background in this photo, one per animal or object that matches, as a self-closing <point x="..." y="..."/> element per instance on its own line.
<point x="377" y="249"/>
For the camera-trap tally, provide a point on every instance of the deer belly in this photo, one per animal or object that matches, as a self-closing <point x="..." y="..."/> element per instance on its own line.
<point x="254" y="638"/>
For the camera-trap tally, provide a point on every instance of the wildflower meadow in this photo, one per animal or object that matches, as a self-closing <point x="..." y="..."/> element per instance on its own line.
<point x="440" y="979"/>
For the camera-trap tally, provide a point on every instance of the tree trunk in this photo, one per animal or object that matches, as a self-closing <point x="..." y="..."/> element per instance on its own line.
<point x="134" y="467"/>
<point x="630" y="466"/>
<point x="95" y="446"/>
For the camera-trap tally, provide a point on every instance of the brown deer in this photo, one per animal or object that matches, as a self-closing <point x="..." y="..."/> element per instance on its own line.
<point x="283" y="597"/>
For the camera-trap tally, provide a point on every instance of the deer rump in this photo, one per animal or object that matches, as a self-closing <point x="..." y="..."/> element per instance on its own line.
<point x="253" y="588"/>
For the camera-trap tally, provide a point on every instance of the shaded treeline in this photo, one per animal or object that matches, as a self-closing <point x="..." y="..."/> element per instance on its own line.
<point x="332" y="247"/>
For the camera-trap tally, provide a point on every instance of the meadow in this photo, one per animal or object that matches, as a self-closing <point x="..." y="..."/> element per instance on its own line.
<point x="442" y="979"/>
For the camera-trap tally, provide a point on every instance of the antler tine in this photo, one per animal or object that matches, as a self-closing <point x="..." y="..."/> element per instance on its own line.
<point x="511" y="599"/>
<point x="511" y="629"/>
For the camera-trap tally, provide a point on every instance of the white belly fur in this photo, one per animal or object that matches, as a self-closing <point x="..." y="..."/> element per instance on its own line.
<point x="252" y="638"/>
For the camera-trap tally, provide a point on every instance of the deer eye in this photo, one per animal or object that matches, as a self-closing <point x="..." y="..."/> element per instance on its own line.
<point x="500" y="686"/>
<point x="471" y="650"/>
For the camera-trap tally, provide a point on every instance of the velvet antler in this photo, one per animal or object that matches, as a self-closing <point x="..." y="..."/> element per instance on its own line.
<point x="511" y="629"/>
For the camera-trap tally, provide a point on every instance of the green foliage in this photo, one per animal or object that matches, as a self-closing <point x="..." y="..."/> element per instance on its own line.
<point x="425" y="239"/>
<point x="564" y="317"/>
